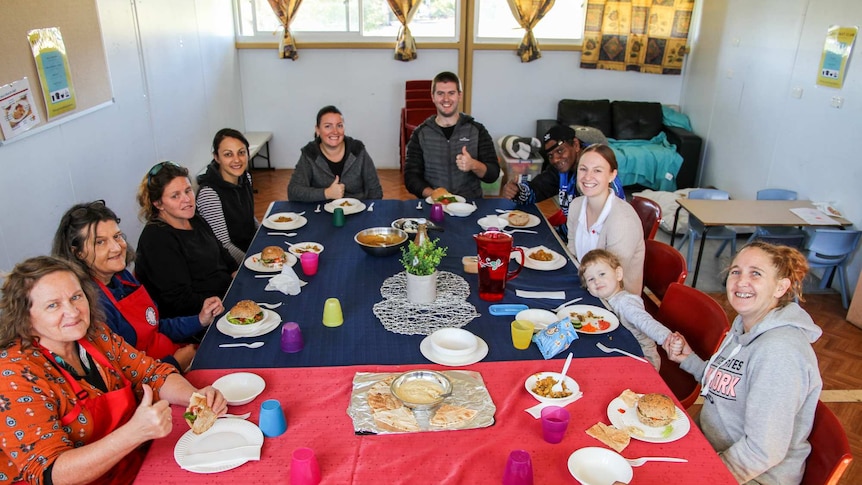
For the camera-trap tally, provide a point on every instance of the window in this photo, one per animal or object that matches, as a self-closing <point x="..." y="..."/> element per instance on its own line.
<point x="564" y="23"/>
<point x="347" y="21"/>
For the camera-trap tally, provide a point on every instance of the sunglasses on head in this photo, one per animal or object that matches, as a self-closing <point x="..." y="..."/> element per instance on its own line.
<point x="158" y="168"/>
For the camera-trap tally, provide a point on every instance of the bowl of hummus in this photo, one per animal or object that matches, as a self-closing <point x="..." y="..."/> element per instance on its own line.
<point x="421" y="389"/>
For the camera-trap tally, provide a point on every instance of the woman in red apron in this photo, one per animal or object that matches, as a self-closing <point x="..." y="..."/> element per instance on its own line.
<point x="89" y="234"/>
<point x="77" y="400"/>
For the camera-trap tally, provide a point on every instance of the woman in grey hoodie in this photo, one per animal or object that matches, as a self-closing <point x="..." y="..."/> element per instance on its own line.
<point x="761" y="388"/>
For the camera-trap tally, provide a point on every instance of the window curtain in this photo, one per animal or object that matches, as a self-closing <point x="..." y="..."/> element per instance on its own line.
<point x="405" y="45"/>
<point x="528" y="13"/>
<point x="285" y="10"/>
<point x="636" y="35"/>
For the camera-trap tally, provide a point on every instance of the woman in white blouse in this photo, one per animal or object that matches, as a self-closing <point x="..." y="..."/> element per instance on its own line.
<point x="599" y="220"/>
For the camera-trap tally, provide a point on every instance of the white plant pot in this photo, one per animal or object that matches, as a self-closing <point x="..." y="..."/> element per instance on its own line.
<point x="422" y="289"/>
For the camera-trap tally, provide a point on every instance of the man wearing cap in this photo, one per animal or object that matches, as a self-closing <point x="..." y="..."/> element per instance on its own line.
<point x="450" y="149"/>
<point x="563" y="145"/>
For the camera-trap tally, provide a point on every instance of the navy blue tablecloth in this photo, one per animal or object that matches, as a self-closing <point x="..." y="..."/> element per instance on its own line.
<point x="354" y="277"/>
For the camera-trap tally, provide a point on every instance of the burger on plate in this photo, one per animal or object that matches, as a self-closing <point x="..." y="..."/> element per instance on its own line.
<point x="442" y="195"/>
<point x="656" y="410"/>
<point x="273" y="257"/>
<point x="246" y="312"/>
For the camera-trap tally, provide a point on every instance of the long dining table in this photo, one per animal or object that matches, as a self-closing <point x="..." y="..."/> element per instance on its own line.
<point x="346" y="272"/>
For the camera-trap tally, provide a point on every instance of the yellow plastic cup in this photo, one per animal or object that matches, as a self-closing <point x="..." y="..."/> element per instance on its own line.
<point x="522" y="334"/>
<point x="332" y="316"/>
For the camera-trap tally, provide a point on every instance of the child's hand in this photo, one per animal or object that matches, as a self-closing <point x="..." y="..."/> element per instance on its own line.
<point x="676" y="347"/>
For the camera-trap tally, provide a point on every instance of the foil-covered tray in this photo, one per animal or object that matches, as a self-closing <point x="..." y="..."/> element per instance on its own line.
<point x="468" y="394"/>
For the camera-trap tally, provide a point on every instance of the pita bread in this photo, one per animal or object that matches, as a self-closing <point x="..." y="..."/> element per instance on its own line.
<point x="448" y="416"/>
<point x="630" y="398"/>
<point x="380" y="396"/>
<point x="613" y="437"/>
<point x="400" y="419"/>
<point x="199" y="416"/>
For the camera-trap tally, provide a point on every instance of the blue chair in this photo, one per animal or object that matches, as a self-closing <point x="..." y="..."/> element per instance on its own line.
<point x="696" y="228"/>
<point x="788" y="236"/>
<point x="829" y="249"/>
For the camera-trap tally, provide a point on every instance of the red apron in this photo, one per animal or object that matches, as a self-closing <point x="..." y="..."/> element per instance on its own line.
<point x="139" y="310"/>
<point x="108" y="412"/>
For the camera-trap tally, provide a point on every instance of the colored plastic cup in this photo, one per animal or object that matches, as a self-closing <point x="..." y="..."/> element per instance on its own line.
<point x="338" y="217"/>
<point x="291" y="338"/>
<point x="519" y="469"/>
<point x="436" y="213"/>
<point x="309" y="261"/>
<point x="272" y="421"/>
<point x="555" y="420"/>
<point x="522" y="334"/>
<point x="332" y="315"/>
<point x="304" y="469"/>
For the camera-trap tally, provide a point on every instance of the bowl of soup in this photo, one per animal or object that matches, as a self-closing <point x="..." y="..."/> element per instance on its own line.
<point x="381" y="241"/>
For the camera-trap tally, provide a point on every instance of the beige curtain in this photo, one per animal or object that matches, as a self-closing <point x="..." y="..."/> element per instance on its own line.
<point x="528" y="13"/>
<point x="285" y="10"/>
<point x="636" y="35"/>
<point x="404" y="10"/>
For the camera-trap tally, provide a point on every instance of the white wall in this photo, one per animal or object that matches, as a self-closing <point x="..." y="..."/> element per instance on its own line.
<point x="168" y="104"/>
<point x="748" y="56"/>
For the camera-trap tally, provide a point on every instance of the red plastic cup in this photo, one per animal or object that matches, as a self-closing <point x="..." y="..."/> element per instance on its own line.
<point x="304" y="469"/>
<point x="309" y="261"/>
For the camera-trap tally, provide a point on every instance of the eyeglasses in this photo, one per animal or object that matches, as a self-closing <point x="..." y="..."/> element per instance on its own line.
<point x="158" y="168"/>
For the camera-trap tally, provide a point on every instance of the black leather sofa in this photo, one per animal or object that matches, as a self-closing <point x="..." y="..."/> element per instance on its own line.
<point x="630" y="120"/>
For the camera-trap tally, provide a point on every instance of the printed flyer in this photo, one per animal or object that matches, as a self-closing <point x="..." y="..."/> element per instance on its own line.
<point x="836" y="52"/>
<point x="54" y="73"/>
<point x="17" y="110"/>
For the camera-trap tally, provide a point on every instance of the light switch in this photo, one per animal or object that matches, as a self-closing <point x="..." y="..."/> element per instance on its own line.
<point x="796" y="92"/>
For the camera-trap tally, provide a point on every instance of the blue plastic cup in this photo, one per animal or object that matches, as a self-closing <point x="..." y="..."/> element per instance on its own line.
<point x="272" y="421"/>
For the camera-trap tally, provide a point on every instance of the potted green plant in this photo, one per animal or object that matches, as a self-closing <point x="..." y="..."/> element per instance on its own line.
<point x="420" y="263"/>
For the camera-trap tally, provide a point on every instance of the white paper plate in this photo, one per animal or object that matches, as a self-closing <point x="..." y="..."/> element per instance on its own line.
<point x="458" y="198"/>
<point x="480" y="353"/>
<point x="298" y="248"/>
<point x="539" y="318"/>
<point x="604" y="313"/>
<point x="240" y="387"/>
<point x="225" y="434"/>
<point x="625" y="417"/>
<point x="533" y="222"/>
<point x="530" y="383"/>
<point x="252" y="262"/>
<point x="598" y="466"/>
<point x="348" y="205"/>
<point x="270" y="321"/>
<point x="492" y="220"/>
<point x="459" y="209"/>
<point x="296" y="222"/>
<point x="558" y="262"/>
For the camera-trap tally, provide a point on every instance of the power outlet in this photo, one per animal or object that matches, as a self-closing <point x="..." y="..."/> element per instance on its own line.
<point x="837" y="101"/>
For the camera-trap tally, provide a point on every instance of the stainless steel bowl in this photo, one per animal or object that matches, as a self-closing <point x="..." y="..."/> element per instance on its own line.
<point x="417" y="377"/>
<point x="381" y="241"/>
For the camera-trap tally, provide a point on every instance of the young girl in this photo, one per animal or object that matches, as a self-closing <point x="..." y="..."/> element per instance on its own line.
<point x="602" y="274"/>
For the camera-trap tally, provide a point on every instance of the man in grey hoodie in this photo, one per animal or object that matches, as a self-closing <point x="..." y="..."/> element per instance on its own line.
<point x="761" y="388"/>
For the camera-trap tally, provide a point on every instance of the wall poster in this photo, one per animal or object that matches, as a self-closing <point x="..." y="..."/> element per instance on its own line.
<point x="836" y="53"/>
<point x="54" y="73"/>
<point x="17" y="109"/>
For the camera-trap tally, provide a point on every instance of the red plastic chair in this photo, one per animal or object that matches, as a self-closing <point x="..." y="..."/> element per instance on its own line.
<point x="703" y="323"/>
<point x="650" y="214"/>
<point x="830" y="452"/>
<point x="419" y="84"/>
<point x="410" y="120"/>
<point x="663" y="265"/>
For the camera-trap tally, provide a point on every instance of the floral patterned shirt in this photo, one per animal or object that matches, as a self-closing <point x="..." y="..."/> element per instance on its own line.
<point x="34" y="396"/>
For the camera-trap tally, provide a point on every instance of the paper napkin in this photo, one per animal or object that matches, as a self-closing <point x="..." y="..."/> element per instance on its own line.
<point x="286" y="282"/>
<point x="536" y="411"/>
<point x="551" y="295"/>
<point x="221" y="457"/>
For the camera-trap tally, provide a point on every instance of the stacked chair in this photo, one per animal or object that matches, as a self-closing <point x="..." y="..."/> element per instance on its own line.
<point x="417" y="108"/>
<point x="830" y="249"/>
<point x="663" y="265"/>
<point x="650" y="215"/>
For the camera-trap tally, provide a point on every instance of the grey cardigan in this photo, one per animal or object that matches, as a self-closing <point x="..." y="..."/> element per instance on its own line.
<point x="312" y="174"/>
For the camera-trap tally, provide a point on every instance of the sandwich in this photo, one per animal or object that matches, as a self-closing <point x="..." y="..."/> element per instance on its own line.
<point x="518" y="218"/>
<point x="442" y="195"/>
<point x="272" y="257"/>
<point x="245" y="312"/>
<point x="199" y="416"/>
<point x="655" y="410"/>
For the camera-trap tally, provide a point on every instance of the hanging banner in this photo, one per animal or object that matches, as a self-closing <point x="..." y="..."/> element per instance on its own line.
<point x="17" y="111"/>
<point x="54" y="73"/>
<point x="836" y="52"/>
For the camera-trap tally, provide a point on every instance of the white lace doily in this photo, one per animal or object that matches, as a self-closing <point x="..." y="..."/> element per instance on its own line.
<point x="450" y="309"/>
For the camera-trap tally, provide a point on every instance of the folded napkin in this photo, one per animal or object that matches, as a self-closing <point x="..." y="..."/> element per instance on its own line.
<point x="536" y="411"/>
<point x="551" y="295"/>
<point x="221" y="457"/>
<point x="286" y="282"/>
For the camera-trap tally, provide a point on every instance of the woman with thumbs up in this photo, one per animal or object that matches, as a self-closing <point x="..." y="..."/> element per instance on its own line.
<point x="333" y="165"/>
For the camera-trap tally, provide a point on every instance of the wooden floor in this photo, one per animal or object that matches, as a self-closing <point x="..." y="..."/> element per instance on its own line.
<point x="839" y="350"/>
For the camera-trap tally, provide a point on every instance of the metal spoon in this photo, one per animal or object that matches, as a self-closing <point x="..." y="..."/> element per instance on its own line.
<point x="419" y="206"/>
<point x="252" y="345"/>
<point x="558" y="387"/>
<point x="285" y="234"/>
<point x="318" y="208"/>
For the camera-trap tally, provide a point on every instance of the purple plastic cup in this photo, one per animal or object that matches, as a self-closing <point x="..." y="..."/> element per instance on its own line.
<point x="519" y="469"/>
<point x="304" y="469"/>
<point x="555" y="420"/>
<point x="291" y="338"/>
<point x="436" y="213"/>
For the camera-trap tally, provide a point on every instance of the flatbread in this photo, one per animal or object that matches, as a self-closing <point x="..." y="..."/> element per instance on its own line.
<point x="518" y="218"/>
<point x="630" y="398"/>
<point x="380" y="396"/>
<point x="398" y="420"/>
<point x="204" y="417"/>
<point x="613" y="437"/>
<point x="448" y="416"/>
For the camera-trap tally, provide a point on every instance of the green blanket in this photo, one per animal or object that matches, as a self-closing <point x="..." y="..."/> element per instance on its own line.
<point x="651" y="163"/>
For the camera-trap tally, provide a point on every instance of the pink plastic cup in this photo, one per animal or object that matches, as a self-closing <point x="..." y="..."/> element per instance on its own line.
<point x="555" y="420"/>
<point x="304" y="469"/>
<point x="309" y="261"/>
<point x="519" y="469"/>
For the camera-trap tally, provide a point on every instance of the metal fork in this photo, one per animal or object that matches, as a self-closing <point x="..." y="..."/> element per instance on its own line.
<point x="642" y="460"/>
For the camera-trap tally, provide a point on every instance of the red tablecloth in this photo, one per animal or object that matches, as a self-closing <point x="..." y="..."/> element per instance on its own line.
<point x="316" y="400"/>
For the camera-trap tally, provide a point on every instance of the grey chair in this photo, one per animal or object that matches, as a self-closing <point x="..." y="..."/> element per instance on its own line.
<point x="696" y="228"/>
